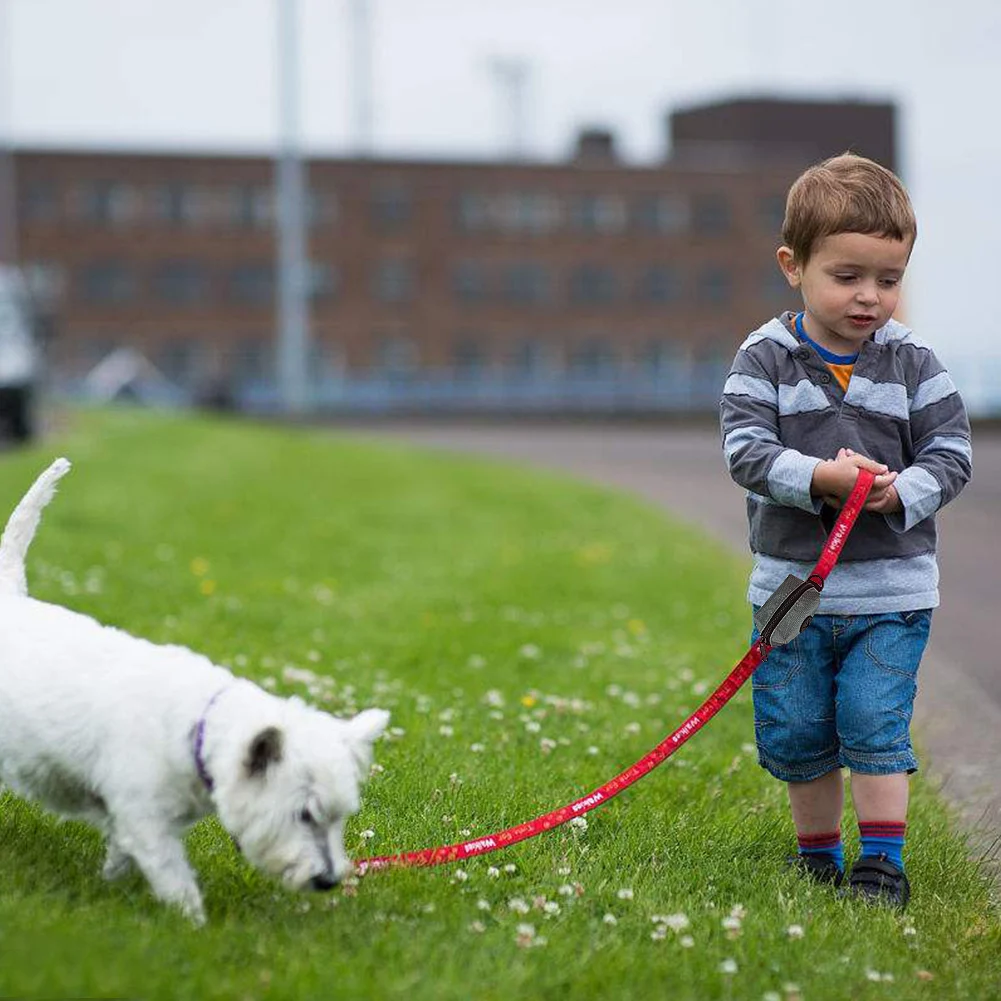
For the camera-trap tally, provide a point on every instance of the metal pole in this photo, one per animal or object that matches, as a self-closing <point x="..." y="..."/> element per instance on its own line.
<point x="361" y="75"/>
<point x="293" y="315"/>
<point x="8" y="196"/>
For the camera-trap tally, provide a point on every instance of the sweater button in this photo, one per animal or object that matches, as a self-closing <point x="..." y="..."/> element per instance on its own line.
<point x="824" y="378"/>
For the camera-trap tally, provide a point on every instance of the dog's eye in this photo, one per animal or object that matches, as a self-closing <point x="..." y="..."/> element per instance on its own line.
<point x="305" y="815"/>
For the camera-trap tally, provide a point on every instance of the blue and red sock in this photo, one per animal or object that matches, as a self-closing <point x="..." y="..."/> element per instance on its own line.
<point x="823" y="845"/>
<point x="883" y="837"/>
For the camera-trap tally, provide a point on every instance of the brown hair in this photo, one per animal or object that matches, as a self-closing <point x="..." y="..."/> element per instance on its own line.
<point x="846" y="194"/>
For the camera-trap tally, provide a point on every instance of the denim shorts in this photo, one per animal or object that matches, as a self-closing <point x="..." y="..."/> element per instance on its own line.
<point x="840" y="695"/>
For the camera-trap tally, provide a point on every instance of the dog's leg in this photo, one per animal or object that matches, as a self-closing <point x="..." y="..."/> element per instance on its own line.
<point x="160" y="855"/>
<point x="117" y="862"/>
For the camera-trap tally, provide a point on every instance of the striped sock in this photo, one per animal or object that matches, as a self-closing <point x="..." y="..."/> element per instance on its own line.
<point x="823" y="844"/>
<point x="883" y="837"/>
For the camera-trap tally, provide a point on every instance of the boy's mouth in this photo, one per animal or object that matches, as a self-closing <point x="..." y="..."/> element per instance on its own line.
<point x="862" y="319"/>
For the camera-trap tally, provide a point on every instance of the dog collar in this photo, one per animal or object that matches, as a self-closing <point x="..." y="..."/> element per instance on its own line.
<point x="203" y="772"/>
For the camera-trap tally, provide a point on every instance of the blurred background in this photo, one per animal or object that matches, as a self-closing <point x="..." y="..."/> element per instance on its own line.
<point x="386" y="207"/>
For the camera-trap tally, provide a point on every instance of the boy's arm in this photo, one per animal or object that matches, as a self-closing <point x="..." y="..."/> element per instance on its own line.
<point x="943" y="454"/>
<point x="755" y="456"/>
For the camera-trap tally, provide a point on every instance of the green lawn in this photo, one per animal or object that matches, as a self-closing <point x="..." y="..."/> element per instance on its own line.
<point x="532" y="636"/>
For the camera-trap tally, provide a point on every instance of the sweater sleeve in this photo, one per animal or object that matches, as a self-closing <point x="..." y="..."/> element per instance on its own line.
<point x="943" y="453"/>
<point x="755" y="456"/>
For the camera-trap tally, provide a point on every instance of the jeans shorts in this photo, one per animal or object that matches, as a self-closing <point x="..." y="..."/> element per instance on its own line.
<point x="840" y="695"/>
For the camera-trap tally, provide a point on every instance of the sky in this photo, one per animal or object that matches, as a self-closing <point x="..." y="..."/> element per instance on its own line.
<point x="201" y="74"/>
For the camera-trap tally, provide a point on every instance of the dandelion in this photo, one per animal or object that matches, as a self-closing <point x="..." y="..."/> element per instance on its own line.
<point x="528" y="701"/>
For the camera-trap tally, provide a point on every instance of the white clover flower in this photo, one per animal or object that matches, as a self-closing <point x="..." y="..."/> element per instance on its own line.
<point x="566" y="890"/>
<point x="625" y="893"/>
<point x="493" y="872"/>
<point x="551" y="907"/>
<point x="610" y="919"/>
<point x="510" y="868"/>
<point x="483" y="905"/>
<point x="795" y="931"/>
<point x="518" y="905"/>
<point x="564" y="870"/>
<point x="731" y="924"/>
<point x="478" y="927"/>
<point x="533" y="726"/>
<point x="446" y="731"/>
<point x="527" y="930"/>
<point x="367" y="835"/>
<point x="728" y="966"/>
<point x="530" y="652"/>
<point x="461" y="875"/>
<point x="677" y="922"/>
<point x="547" y="745"/>
<point x="632" y="727"/>
<point x="476" y="661"/>
<point x="659" y="933"/>
<point x="579" y="823"/>
<point x="686" y="942"/>
<point x="477" y="748"/>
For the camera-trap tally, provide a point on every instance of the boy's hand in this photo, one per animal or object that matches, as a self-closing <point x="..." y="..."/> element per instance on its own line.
<point x="834" y="479"/>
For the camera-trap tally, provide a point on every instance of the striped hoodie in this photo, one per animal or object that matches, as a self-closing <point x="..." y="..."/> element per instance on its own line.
<point x="782" y="413"/>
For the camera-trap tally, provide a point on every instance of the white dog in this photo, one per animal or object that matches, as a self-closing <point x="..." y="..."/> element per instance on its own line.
<point x="142" y="740"/>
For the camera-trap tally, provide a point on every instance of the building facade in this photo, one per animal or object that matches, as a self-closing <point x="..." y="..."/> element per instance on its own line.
<point x="429" y="283"/>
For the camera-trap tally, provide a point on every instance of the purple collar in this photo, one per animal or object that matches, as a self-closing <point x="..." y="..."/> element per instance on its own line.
<point x="203" y="772"/>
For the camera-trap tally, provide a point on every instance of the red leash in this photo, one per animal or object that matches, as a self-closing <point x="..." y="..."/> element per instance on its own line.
<point x="712" y="705"/>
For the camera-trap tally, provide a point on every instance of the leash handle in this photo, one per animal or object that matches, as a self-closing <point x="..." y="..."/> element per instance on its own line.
<point x="847" y="517"/>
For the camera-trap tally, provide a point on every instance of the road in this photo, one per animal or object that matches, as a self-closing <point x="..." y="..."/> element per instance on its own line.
<point x="958" y="710"/>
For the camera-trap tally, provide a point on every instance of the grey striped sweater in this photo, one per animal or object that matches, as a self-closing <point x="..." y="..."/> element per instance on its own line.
<point x="782" y="412"/>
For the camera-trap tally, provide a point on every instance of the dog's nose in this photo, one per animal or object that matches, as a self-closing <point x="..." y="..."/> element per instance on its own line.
<point x="324" y="881"/>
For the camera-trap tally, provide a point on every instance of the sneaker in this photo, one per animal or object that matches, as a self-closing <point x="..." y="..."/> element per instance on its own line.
<point x="878" y="881"/>
<point x="819" y="868"/>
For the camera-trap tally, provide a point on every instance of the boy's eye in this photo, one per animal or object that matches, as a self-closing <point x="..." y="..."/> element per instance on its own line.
<point x="845" y="278"/>
<point x="890" y="282"/>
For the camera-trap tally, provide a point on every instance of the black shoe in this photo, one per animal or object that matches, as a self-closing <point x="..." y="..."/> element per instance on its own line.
<point x="878" y="881"/>
<point x="819" y="868"/>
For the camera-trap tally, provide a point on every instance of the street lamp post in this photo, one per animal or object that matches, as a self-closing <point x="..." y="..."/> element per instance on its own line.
<point x="293" y="314"/>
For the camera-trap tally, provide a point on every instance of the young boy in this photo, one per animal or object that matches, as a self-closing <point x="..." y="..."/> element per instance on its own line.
<point x="811" y="398"/>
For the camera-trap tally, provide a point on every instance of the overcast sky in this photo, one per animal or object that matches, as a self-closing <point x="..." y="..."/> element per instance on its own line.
<point x="201" y="74"/>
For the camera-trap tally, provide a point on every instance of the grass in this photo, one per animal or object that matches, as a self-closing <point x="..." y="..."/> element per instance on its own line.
<point x="532" y="636"/>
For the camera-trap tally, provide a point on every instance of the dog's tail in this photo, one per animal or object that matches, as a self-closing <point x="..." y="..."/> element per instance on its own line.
<point x="21" y="528"/>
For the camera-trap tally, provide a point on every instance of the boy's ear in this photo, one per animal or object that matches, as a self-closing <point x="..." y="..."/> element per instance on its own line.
<point x="787" y="262"/>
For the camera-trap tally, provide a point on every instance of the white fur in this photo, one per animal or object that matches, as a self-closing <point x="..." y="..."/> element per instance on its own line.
<point x="100" y="725"/>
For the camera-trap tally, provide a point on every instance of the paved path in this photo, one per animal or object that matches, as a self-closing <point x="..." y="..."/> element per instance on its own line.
<point x="958" y="712"/>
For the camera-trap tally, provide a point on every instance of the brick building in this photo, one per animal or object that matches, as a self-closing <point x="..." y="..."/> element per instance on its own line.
<point x="438" y="283"/>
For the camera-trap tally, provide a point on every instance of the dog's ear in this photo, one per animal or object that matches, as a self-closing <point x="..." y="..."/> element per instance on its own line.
<point x="265" y="749"/>
<point x="369" y="725"/>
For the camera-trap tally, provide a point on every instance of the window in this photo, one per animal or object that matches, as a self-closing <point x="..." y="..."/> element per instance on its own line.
<point x="662" y="213"/>
<point x="470" y="281"/>
<point x="394" y="281"/>
<point x="178" y="361"/>
<point x="175" y="204"/>
<point x="661" y="357"/>
<point x="253" y="284"/>
<point x="599" y="213"/>
<point x="469" y="357"/>
<point x="471" y="212"/>
<point x="529" y="357"/>
<point x="184" y="283"/>
<point x="711" y="214"/>
<point x="396" y="356"/>
<point x="591" y="358"/>
<point x="659" y="283"/>
<point x="592" y="284"/>
<point x="253" y="361"/>
<point x="40" y="202"/>
<point x="108" y="203"/>
<point x="251" y="206"/>
<point x="108" y="283"/>
<point x="526" y="283"/>
<point x="714" y="286"/>
<point x="391" y="205"/>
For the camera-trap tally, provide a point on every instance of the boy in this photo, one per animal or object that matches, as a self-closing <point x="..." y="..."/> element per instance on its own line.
<point x="812" y="398"/>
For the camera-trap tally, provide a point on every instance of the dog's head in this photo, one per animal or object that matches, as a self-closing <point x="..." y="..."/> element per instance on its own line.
<point x="288" y="784"/>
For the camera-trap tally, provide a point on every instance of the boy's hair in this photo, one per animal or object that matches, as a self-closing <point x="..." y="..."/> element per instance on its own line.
<point x="846" y="194"/>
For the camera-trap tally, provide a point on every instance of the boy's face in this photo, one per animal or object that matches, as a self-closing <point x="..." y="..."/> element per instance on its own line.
<point x="850" y="287"/>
